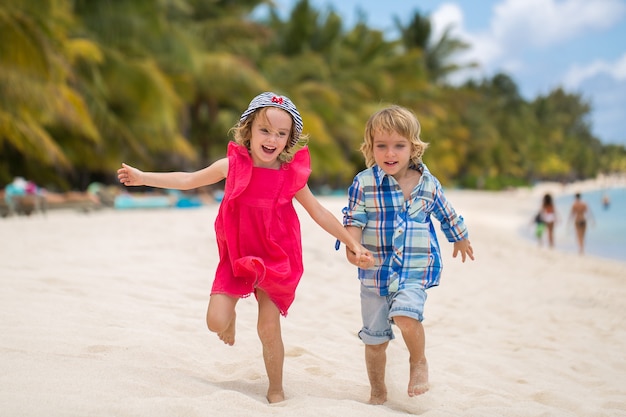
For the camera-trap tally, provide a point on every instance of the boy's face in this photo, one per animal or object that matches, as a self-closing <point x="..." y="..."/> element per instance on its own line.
<point x="392" y="152"/>
<point x="270" y="134"/>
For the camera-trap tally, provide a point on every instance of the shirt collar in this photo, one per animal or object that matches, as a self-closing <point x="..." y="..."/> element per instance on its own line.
<point x="380" y="174"/>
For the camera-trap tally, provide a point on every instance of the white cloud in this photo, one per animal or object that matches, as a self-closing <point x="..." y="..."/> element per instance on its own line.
<point x="524" y="35"/>
<point x="518" y="26"/>
<point x="578" y="74"/>
<point x="483" y="49"/>
<point x="544" y="23"/>
<point x="446" y="15"/>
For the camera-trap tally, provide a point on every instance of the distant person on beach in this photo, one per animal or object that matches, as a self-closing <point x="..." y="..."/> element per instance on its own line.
<point x="540" y="227"/>
<point x="257" y="228"/>
<point x="548" y="217"/>
<point x="606" y="201"/>
<point x="389" y="210"/>
<point x="580" y="214"/>
<point x="25" y="197"/>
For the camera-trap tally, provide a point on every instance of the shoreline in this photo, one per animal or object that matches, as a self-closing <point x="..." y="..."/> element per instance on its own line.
<point x="566" y="237"/>
<point x="599" y="183"/>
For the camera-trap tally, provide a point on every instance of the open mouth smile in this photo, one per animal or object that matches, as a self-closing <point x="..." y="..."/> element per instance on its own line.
<point x="268" y="149"/>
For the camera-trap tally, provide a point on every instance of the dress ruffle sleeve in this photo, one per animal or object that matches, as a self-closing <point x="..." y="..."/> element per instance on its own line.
<point x="300" y="166"/>
<point x="239" y="170"/>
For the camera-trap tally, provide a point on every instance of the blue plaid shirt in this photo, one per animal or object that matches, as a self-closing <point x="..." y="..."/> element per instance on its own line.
<point x="399" y="233"/>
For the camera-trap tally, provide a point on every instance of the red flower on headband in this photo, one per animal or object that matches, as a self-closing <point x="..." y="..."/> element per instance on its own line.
<point x="278" y="100"/>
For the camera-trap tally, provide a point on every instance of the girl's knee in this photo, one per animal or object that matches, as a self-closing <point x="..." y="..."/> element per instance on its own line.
<point x="220" y="312"/>
<point x="215" y="323"/>
<point x="218" y="320"/>
<point x="268" y="331"/>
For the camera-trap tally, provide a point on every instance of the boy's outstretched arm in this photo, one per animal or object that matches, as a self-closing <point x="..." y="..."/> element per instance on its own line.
<point x="465" y="248"/>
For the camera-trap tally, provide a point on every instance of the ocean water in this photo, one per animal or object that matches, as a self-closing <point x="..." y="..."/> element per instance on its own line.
<point x="606" y="234"/>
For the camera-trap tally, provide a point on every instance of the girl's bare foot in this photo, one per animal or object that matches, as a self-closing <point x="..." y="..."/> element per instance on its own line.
<point x="228" y="335"/>
<point x="275" y="397"/>
<point x="418" y="379"/>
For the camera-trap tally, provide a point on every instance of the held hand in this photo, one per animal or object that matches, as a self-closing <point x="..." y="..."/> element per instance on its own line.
<point x="129" y="176"/>
<point x="361" y="258"/>
<point x="366" y="261"/>
<point x="465" y="248"/>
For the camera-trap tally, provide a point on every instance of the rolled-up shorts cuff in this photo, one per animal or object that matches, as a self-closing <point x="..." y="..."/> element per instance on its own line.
<point x="375" y="338"/>
<point x="378" y="312"/>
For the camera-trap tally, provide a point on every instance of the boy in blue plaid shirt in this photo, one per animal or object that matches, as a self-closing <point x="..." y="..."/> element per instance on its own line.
<point x="389" y="212"/>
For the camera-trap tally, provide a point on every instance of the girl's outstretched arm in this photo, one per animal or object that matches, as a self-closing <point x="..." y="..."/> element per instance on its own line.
<point x="322" y="216"/>
<point x="215" y="172"/>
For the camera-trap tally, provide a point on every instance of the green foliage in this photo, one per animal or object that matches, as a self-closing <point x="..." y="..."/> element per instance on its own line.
<point x="88" y="84"/>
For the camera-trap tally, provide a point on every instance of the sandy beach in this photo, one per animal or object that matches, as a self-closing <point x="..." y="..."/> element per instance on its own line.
<point x="103" y="315"/>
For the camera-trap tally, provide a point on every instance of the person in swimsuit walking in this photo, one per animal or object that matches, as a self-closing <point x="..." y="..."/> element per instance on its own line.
<point x="549" y="217"/>
<point x="257" y="228"/>
<point x="579" y="214"/>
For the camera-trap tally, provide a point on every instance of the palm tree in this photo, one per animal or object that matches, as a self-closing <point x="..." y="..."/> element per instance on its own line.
<point x="224" y="77"/>
<point x="437" y="53"/>
<point x="39" y="101"/>
<point x="132" y="97"/>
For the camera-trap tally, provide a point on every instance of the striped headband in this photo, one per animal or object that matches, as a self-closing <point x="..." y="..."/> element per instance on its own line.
<point x="269" y="99"/>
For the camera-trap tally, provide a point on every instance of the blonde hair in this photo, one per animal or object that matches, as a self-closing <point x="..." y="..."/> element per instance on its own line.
<point x="242" y="132"/>
<point x="393" y="119"/>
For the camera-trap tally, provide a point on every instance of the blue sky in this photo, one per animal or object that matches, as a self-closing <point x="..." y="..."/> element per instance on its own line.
<point x="579" y="45"/>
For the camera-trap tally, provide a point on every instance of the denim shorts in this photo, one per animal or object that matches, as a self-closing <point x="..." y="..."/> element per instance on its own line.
<point x="378" y="312"/>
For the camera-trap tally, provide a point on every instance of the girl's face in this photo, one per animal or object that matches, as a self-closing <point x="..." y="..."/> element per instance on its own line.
<point x="270" y="135"/>
<point x="392" y="153"/>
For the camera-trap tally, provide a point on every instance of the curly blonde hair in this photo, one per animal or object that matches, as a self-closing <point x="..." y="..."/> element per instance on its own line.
<point x="242" y="132"/>
<point x="396" y="119"/>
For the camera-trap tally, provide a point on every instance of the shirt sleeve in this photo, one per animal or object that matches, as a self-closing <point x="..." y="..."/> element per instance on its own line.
<point x="452" y="224"/>
<point x="354" y="214"/>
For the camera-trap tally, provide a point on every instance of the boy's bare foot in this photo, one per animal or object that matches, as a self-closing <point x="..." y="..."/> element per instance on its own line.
<point x="378" y="395"/>
<point x="377" y="399"/>
<point x="418" y="379"/>
<point x="228" y="335"/>
<point x="275" y="397"/>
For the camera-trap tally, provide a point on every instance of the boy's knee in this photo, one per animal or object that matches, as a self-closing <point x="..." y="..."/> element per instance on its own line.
<point x="405" y="323"/>
<point x="376" y="351"/>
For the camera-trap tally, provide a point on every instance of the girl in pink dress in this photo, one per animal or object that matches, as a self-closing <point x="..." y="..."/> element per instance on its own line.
<point x="257" y="228"/>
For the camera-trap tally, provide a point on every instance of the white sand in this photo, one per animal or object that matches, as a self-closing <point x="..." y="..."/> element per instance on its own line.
<point x="103" y="315"/>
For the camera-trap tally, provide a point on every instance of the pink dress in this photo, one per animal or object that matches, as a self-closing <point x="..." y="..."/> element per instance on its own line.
<point x="257" y="228"/>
